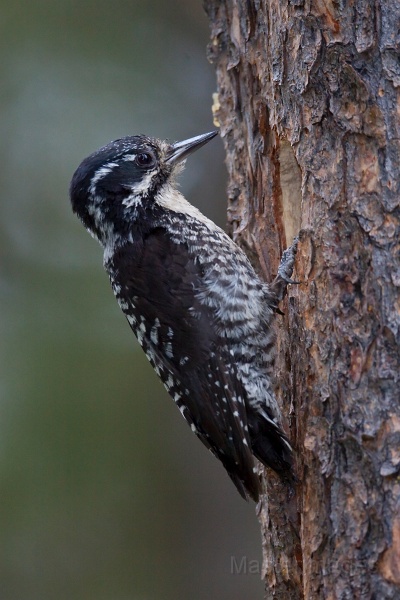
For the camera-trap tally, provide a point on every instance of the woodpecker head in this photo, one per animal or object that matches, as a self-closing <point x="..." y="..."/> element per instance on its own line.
<point x="114" y="185"/>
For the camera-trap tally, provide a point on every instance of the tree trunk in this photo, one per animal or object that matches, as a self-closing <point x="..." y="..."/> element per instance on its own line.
<point x="309" y="110"/>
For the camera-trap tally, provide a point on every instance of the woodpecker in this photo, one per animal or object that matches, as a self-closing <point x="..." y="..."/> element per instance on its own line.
<point x="190" y="295"/>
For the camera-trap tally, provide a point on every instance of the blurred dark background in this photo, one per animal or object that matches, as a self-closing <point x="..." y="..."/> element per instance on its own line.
<point x="105" y="492"/>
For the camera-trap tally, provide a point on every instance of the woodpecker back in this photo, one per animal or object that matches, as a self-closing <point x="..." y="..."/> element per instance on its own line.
<point x="192" y="298"/>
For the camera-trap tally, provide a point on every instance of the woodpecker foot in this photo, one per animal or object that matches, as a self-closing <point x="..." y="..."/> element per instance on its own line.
<point x="285" y="271"/>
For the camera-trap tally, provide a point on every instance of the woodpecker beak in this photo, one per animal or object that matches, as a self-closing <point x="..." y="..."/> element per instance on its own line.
<point x="181" y="150"/>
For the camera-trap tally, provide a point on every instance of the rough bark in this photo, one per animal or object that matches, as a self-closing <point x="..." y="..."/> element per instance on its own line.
<point x="309" y="110"/>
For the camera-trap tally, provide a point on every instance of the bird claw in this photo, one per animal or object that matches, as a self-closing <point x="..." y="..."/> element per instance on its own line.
<point x="285" y="270"/>
<point x="287" y="261"/>
<point x="288" y="280"/>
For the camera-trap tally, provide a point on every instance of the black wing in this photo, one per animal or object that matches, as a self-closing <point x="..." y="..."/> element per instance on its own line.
<point x="156" y="282"/>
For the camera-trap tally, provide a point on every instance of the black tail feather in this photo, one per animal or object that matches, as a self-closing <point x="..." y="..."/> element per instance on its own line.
<point x="245" y="479"/>
<point x="270" y="445"/>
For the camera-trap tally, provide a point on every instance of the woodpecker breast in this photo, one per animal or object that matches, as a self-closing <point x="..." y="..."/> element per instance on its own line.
<point x="192" y="298"/>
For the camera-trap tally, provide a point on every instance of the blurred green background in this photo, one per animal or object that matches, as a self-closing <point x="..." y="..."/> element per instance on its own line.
<point x="105" y="492"/>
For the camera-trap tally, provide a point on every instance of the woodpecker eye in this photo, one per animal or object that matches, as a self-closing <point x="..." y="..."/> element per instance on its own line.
<point x="144" y="159"/>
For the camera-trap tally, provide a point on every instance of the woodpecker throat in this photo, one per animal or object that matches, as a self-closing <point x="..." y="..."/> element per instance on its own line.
<point x="192" y="298"/>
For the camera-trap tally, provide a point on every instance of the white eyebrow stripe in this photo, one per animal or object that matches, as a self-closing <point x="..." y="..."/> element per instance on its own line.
<point x="100" y="174"/>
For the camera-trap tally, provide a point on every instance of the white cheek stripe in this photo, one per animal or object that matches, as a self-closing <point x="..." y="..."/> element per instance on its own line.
<point x="139" y="189"/>
<point x="171" y="199"/>
<point x="132" y="201"/>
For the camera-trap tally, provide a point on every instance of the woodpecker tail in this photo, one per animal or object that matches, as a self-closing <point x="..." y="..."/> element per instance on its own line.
<point x="271" y="446"/>
<point x="247" y="483"/>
